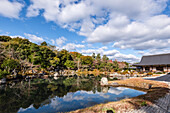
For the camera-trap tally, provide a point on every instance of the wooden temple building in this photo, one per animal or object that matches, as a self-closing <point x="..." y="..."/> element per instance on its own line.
<point x="154" y="63"/>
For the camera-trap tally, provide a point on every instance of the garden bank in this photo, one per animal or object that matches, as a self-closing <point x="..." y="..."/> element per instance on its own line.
<point x="156" y="90"/>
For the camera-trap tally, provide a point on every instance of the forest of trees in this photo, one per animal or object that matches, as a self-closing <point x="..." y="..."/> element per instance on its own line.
<point x="18" y="55"/>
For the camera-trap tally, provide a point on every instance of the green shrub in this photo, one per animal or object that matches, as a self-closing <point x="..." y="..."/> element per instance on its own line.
<point x="3" y="73"/>
<point x="10" y="64"/>
<point x="115" y="78"/>
<point x="159" y="73"/>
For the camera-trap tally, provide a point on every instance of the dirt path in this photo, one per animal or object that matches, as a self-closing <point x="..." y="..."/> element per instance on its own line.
<point x="165" y="78"/>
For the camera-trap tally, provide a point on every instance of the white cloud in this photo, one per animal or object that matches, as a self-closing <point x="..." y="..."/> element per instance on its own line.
<point x="82" y="41"/>
<point x="87" y="27"/>
<point x="75" y="12"/>
<point x="104" y="47"/>
<point x="72" y="46"/>
<point x="125" y="57"/>
<point x="110" y="52"/>
<point x="15" y="36"/>
<point x="34" y="38"/>
<point x="127" y="23"/>
<point x="89" y="51"/>
<point x="10" y="9"/>
<point x="137" y="35"/>
<point x="60" y="41"/>
<point x="98" y="50"/>
<point x="154" y="51"/>
<point x="53" y="41"/>
<point x="50" y="7"/>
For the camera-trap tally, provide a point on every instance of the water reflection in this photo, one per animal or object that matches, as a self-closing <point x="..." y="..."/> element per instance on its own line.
<point x="58" y="95"/>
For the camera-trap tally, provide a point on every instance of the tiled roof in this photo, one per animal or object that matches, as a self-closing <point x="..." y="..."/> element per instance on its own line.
<point x="161" y="59"/>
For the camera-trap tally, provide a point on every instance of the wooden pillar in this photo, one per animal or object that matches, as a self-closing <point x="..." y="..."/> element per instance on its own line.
<point x="165" y="68"/>
<point x="154" y="69"/>
<point x="168" y="68"/>
<point x="150" y="69"/>
<point x="143" y="69"/>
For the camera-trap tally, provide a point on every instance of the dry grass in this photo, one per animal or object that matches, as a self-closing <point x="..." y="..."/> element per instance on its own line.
<point x="158" y="90"/>
<point x="94" y="72"/>
<point x="139" y="83"/>
<point x="156" y="75"/>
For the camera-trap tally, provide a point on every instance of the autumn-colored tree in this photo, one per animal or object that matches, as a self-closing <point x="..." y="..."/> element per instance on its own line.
<point x="75" y="55"/>
<point x="86" y="60"/>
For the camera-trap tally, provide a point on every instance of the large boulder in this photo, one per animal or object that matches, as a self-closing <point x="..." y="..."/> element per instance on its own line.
<point x="104" y="81"/>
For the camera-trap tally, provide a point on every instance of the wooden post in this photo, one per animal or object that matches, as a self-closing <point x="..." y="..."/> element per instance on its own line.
<point x="168" y="69"/>
<point x="150" y="69"/>
<point x="154" y="69"/>
<point x="165" y="69"/>
<point x="143" y="69"/>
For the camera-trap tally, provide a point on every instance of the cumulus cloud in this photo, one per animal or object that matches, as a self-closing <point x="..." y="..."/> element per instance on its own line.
<point x="60" y="41"/>
<point x="126" y="23"/>
<point x="10" y="9"/>
<point x="154" y="51"/>
<point x="137" y="35"/>
<point x="112" y="54"/>
<point x="15" y="36"/>
<point x="125" y="57"/>
<point x="98" y="50"/>
<point x="73" y="46"/>
<point x="34" y="38"/>
<point x="52" y="41"/>
<point x="83" y="41"/>
<point x="50" y="7"/>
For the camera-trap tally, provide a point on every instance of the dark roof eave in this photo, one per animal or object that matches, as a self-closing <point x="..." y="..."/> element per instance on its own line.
<point x="149" y="64"/>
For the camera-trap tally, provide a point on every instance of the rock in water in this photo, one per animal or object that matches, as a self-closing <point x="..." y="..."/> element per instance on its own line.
<point x="104" y="81"/>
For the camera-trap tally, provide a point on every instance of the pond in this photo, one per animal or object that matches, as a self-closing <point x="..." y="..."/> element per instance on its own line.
<point x="58" y="95"/>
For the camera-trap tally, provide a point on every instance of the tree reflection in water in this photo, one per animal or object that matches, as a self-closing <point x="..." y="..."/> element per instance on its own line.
<point x="38" y="92"/>
<point x="58" y="95"/>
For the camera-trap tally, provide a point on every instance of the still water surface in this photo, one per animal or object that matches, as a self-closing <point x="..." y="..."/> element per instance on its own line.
<point x="61" y="95"/>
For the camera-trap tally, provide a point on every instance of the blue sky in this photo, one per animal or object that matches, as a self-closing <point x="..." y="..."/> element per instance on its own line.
<point x="122" y="29"/>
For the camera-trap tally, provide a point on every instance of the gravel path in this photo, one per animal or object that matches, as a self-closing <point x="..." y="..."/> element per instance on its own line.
<point x="162" y="105"/>
<point x="165" y="78"/>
